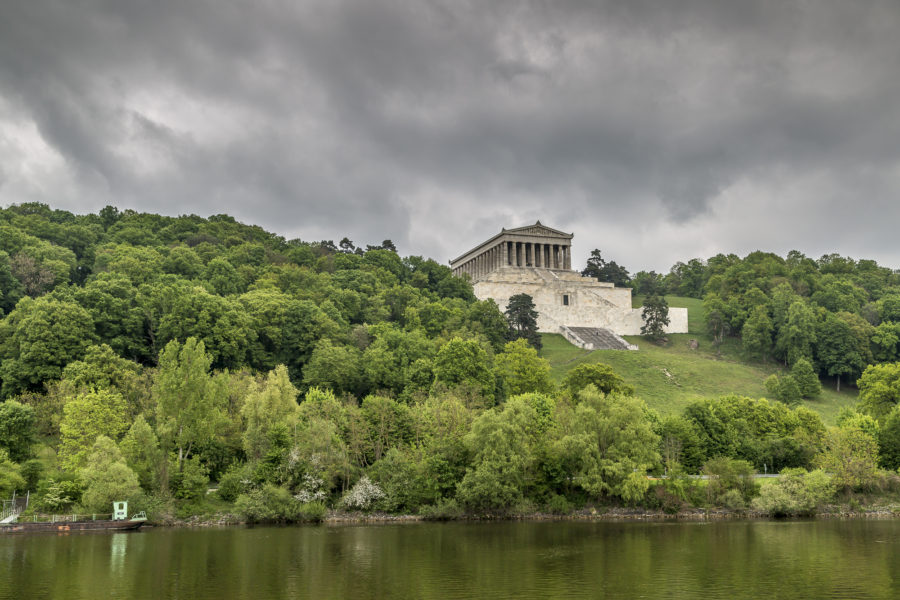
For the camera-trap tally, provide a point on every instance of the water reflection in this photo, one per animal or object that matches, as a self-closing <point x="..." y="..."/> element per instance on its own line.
<point x="117" y="547"/>
<point x="828" y="559"/>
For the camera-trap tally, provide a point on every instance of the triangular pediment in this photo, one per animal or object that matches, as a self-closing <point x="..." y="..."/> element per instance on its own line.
<point x="538" y="229"/>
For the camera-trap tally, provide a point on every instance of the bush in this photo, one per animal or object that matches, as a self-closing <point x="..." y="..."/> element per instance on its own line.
<point x="192" y="481"/>
<point x="806" y="378"/>
<point x="270" y="504"/>
<point x="523" y="508"/>
<point x="363" y="495"/>
<point x="234" y="482"/>
<point x="11" y="478"/>
<point x="559" y="505"/>
<point x="312" y="512"/>
<point x="599" y="375"/>
<point x="446" y="509"/>
<point x="730" y="482"/>
<point x="31" y="472"/>
<point x="733" y="499"/>
<point x="57" y="496"/>
<point x="784" y="389"/>
<point x="796" y="492"/>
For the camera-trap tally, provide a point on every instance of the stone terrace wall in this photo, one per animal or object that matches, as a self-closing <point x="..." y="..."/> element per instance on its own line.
<point x="590" y="303"/>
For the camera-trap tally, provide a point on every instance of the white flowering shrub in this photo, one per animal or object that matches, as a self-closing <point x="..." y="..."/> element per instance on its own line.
<point x="363" y="495"/>
<point x="311" y="489"/>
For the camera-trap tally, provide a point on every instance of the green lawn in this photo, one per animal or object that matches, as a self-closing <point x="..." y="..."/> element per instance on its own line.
<point x="669" y="377"/>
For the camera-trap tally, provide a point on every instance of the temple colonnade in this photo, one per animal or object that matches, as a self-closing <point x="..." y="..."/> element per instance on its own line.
<point x="509" y="253"/>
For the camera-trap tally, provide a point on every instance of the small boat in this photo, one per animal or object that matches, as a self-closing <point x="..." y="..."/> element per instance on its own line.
<point x="119" y="522"/>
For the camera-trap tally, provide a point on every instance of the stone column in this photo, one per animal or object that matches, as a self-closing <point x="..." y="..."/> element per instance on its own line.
<point x="539" y="255"/>
<point x="569" y="257"/>
<point x="504" y="254"/>
<point x="518" y="253"/>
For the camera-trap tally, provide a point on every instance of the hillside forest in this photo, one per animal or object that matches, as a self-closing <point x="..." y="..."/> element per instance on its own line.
<point x="155" y="358"/>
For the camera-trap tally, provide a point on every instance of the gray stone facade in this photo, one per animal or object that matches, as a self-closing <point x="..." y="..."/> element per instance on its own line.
<point x="536" y="260"/>
<point x="536" y="246"/>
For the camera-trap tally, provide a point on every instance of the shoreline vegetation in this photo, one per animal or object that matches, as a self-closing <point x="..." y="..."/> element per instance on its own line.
<point x="150" y="358"/>
<point x="613" y="515"/>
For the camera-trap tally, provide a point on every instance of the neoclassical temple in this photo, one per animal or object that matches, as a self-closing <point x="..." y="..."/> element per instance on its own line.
<point x="537" y="260"/>
<point x="535" y="245"/>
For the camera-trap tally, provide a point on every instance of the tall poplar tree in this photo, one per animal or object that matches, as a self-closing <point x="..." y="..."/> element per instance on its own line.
<point x="188" y="403"/>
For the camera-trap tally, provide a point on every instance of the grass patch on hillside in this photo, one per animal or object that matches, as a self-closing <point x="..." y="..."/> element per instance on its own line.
<point x="671" y="376"/>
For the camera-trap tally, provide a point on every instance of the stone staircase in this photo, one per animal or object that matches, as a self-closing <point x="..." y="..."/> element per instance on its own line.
<point x="595" y="338"/>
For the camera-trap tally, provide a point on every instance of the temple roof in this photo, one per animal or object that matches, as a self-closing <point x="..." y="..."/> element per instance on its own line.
<point x="516" y="234"/>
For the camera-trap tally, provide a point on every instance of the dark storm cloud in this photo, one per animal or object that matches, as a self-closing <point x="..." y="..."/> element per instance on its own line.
<point x="654" y="130"/>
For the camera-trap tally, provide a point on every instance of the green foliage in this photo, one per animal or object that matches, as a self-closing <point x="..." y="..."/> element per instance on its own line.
<point x="141" y="450"/>
<point x="10" y="476"/>
<point x="274" y="402"/>
<point x="757" y="333"/>
<point x="843" y="345"/>
<point x="85" y="418"/>
<point x="234" y="482"/>
<point x="889" y="441"/>
<point x="31" y="471"/>
<point x="403" y="477"/>
<point x="886" y="341"/>
<point x="56" y="496"/>
<point x="806" y="378"/>
<point x="445" y="509"/>
<point x="655" y="316"/>
<point x="879" y="390"/>
<point x="768" y="435"/>
<point x="796" y="339"/>
<point x="522" y="318"/>
<point x="335" y="367"/>
<point x="38" y="339"/>
<point x="851" y="456"/>
<point x="17" y="429"/>
<point x="599" y="375"/>
<point x="522" y="370"/>
<point x="784" y="389"/>
<point x="502" y="444"/>
<point x="680" y="444"/>
<point x="188" y="403"/>
<point x="191" y="481"/>
<point x="717" y="323"/>
<point x="730" y="482"/>
<point x="388" y="425"/>
<point x="462" y="362"/>
<point x="604" y="270"/>
<point x="795" y="493"/>
<point x="612" y="443"/>
<point x="91" y="303"/>
<point x="106" y="477"/>
<point x="274" y="504"/>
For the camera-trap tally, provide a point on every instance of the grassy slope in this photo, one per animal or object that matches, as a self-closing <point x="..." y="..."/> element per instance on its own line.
<point x="670" y="377"/>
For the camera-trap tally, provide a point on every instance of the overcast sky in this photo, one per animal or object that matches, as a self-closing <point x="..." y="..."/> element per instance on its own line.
<point x="656" y="131"/>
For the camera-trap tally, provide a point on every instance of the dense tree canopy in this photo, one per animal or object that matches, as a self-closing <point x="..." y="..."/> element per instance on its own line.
<point x="159" y="353"/>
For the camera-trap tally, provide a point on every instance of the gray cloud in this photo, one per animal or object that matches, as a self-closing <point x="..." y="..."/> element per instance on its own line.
<point x="655" y="131"/>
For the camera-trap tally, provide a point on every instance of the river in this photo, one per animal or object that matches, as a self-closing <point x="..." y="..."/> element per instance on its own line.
<point x="739" y="559"/>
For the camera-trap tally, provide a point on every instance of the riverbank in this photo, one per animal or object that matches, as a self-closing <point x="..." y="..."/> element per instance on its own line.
<point x="891" y="511"/>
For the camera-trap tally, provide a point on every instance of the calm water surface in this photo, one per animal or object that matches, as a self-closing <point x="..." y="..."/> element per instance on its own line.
<point x="771" y="560"/>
